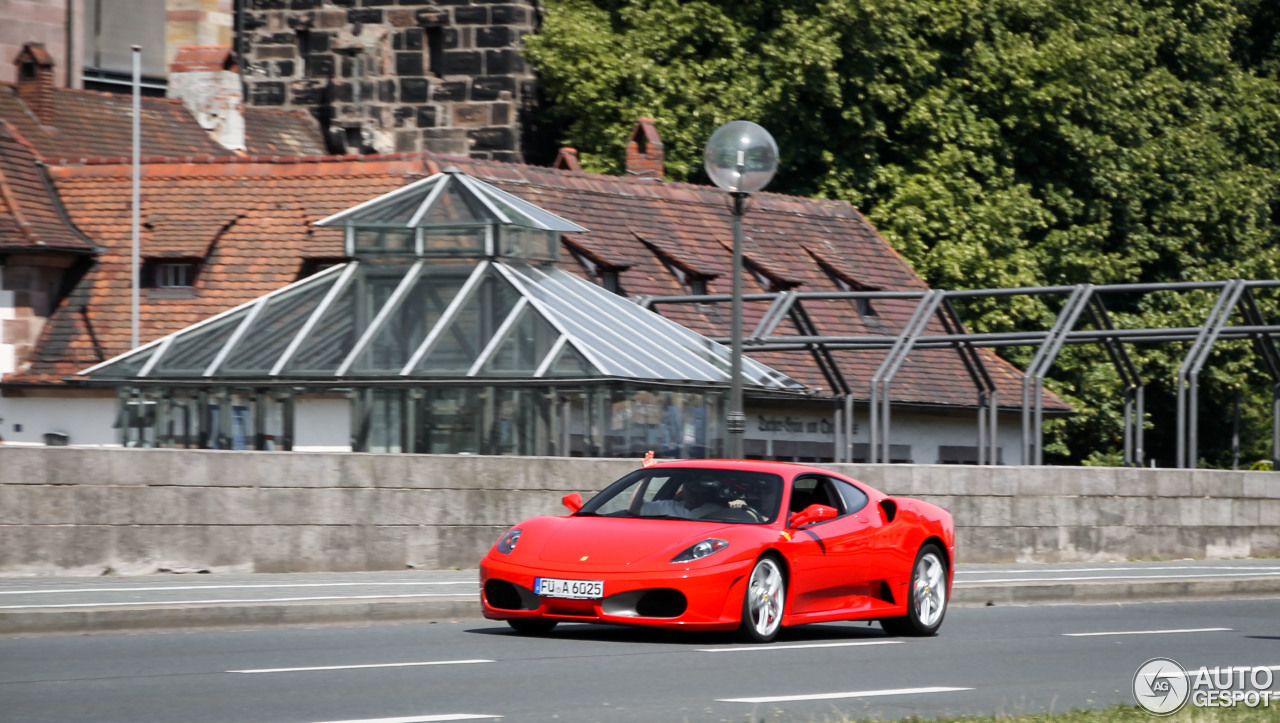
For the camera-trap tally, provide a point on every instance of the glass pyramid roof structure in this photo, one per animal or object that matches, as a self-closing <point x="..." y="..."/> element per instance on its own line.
<point x="450" y="198"/>
<point x="436" y="319"/>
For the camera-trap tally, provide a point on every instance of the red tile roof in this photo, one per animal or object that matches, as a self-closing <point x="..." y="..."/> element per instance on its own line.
<point x="251" y="219"/>
<point x="91" y="124"/>
<point x="30" y="219"/>
<point x="694" y="223"/>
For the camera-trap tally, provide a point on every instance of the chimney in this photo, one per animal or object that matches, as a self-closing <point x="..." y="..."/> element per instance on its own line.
<point x="35" y="81"/>
<point x="205" y="78"/>
<point x="644" y="151"/>
<point x="567" y="160"/>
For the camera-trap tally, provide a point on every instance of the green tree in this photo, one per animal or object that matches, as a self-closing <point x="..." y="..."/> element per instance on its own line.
<point x="995" y="143"/>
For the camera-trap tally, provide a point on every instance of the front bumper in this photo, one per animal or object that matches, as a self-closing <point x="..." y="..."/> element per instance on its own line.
<point x="712" y="596"/>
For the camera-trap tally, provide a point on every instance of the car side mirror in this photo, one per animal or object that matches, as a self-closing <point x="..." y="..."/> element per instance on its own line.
<point x="812" y="514"/>
<point x="573" y="501"/>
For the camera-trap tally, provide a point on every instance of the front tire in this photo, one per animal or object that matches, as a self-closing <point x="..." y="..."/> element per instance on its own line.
<point x="532" y="626"/>
<point x="926" y="596"/>
<point x="763" y="601"/>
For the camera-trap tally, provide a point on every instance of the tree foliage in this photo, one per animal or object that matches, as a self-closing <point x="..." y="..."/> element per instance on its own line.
<point x="995" y="143"/>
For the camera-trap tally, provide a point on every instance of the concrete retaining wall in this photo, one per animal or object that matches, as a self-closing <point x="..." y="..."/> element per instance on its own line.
<point x="65" y="510"/>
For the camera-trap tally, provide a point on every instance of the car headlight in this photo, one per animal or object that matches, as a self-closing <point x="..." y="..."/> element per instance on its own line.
<point x="696" y="552"/>
<point x="507" y="542"/>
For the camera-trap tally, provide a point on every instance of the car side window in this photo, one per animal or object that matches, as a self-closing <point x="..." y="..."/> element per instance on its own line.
<point x="854" y="498"/>
<point x="816" y="490"/>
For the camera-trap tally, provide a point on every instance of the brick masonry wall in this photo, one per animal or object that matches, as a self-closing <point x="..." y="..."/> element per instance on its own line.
<point x="396" y="75"/>
<point x="66" y="510"/>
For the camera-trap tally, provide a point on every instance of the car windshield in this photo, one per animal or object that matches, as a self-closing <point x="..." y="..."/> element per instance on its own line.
<point x="692" y="493"/>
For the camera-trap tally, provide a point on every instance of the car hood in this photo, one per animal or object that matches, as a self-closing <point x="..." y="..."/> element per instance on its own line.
<point x="616" y="542"/>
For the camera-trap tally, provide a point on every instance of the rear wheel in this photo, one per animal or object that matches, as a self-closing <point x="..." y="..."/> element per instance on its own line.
<point x="926" y="596"/>
<point x="532" y="626"/>
<point x="763" y="601"/>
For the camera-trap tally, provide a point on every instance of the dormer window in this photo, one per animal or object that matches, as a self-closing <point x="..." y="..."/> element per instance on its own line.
<point x="608" y="276"/>
<point x="171" y="273"/>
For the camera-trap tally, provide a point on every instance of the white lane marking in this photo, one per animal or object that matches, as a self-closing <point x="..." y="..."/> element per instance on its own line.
<point x="358" y="667"/>
<point x="753" y="648"/>
<point x="1135" y="578"/>
<point x="230" y="587"/>
<point x="1115" y="569"/>
<point x="420" y="718"/>
<point x="836" y="696"/>
<point x="1149" y="632"/>
<point x="222" y="601"/>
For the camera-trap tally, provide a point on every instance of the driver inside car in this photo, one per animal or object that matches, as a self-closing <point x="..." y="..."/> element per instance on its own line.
<point x="697" y="500"/>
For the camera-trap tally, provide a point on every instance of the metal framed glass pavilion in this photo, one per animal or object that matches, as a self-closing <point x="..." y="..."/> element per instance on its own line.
<point x="449" y="331"/>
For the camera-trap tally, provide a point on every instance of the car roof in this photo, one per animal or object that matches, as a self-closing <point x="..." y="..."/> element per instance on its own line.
<point x="754" y="465"/>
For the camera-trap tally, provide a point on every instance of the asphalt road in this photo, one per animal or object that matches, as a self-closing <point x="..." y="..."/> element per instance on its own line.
<point x="986" y="660"/>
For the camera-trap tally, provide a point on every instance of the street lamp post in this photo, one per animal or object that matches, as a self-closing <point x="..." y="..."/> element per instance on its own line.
<point x="741" y="158"/>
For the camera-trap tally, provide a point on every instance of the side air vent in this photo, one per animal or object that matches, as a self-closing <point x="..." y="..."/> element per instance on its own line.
<point x="889" y="508"/>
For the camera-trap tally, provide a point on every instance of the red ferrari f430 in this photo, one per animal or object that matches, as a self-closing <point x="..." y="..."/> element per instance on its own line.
<point x="726" y="545"/>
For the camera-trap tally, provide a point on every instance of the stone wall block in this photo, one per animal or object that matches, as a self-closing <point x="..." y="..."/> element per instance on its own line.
<point x="278" y="548"/>
<point x="161" y="505"/>
<point x="1269" y="512"/>
<point x="1245" y="513"/>
<point x="1003" y="481"/>
<point x="1067" y="510"/>
<point x="1041" y="485"/>
<point x="1174" y="483"/>
<point x="71" y="466"/>
<point x="1136" y="482"/>
<point x="1094" y="480"/>
<point x="1217" y="512"/>
<point x="84" y="546"/>
<point x="183" y="468"/>
<point x="387" y="548"/>
<point x="1033" y="511"/>
<point x="1263" y="542"/>
<point x="1262" y="484"/>
<point x="345" y="548"/>
<point x="355" y="470"/>
<point x="307" y="469"/>
<point x="23" y="465"/>
<point x="903" y="480"/>
<point x="422" y="547"/>
<point x="1226" y="543"/>
<point x="1190" y="512"/>
<point x="228" y="547"/>
<point x="142" y="467"/>
<point x="1216" y="483"/>
<point x="40" y="504"/>
<point x="208" y="506"/>
<point x="103" y="505"/>
<point x="288" y="506"/>
<point x="463" y="547"/>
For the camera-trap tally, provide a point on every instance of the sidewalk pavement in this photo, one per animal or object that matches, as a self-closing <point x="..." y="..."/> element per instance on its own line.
<point x="79" y="605"/>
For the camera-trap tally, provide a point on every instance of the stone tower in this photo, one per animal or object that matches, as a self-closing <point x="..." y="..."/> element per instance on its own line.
<point x="393" y="76"/>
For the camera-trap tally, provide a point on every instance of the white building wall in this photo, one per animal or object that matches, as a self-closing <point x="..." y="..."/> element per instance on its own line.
<point x="8" y="352"/>
<point x="85" y="420"/>
<point x="925" y="432"/>
<point x="322" y="425"/>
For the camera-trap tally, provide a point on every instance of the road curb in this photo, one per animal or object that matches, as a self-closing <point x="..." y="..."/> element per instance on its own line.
<point x="250" y="616"/>
<point x="1032" y="593"/>
<point x="240" y="616"/>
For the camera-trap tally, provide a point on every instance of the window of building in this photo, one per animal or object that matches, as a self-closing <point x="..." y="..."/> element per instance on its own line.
<point x="173" y="274"/>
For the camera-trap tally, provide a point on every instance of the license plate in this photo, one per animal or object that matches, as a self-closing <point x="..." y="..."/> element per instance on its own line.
<point x="574" y="589"/>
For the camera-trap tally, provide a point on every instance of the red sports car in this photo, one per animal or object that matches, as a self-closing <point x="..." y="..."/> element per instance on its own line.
<point x="724" y="545"/>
